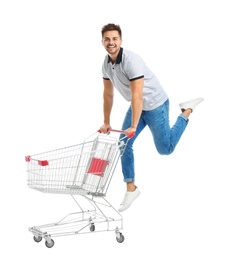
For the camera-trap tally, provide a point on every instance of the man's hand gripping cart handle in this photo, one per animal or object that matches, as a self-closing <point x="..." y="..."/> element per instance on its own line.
<point x="132" y="134"/>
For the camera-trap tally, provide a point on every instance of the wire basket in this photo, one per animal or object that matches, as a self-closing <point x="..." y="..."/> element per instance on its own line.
<point x="85" y="168"/>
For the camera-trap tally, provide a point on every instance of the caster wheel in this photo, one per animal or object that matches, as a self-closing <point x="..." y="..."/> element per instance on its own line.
<point x="51" y="244"/>
<point x="120" y="238"/>
<point x="92" y="227"/>
<point x="37" y="239"/>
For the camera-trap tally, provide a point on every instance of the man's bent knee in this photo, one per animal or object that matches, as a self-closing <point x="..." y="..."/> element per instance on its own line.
<point x="165" y="151"/>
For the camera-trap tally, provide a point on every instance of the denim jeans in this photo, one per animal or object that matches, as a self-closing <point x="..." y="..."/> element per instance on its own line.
<point x="165" y="138"/>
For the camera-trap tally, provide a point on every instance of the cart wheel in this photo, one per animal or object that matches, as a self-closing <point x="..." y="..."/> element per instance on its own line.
<point x="121" y="238"/>
<point x="92" y="227"/>
<point x="51" y="244"/>
<point x="37" y="239"/>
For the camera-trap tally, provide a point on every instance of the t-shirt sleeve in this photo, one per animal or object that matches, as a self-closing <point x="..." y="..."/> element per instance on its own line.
<point x="104" y="73"/>
<point x="134" y="67"/>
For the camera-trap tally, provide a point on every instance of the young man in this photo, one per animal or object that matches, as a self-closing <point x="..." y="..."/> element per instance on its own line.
<point x="127" y="72"/>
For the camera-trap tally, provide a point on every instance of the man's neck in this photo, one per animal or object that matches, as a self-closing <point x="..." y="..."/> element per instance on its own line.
<point x="113" y="58"/>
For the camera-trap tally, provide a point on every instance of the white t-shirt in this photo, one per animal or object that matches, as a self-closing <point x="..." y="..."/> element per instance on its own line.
<point x="130" y="66"/>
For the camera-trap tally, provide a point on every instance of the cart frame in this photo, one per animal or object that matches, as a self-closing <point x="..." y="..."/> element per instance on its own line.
<point x="83" y="171"/>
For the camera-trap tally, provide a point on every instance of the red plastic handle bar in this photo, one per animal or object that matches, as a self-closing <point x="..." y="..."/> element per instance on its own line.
<point x="132" y="134"/>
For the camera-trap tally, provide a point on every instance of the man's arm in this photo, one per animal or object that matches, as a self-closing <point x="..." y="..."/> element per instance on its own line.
<point x="108" y="94"/>
<point x="136" y="103"/>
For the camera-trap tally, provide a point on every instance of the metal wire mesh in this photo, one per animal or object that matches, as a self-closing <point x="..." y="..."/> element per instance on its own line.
<point x="84" y="168"/>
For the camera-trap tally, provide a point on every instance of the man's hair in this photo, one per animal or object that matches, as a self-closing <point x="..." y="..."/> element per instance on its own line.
<point x="111" y="27"/>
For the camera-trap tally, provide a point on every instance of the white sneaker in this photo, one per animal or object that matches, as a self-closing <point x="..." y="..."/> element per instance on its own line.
<point x="190" y="104"/>
<point x="129" y="197"/>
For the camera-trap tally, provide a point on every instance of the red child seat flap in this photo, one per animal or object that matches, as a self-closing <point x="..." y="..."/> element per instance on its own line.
<point x="97" y="166"/>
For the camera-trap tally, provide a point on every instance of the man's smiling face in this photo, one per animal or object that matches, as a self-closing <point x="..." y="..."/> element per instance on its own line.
<point x="112" y="43"/>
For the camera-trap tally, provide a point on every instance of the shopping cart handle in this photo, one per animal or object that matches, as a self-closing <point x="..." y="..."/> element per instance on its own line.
<point x="132" y="134"/>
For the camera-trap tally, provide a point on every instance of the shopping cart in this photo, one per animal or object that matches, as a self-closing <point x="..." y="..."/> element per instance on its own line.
<point x="83" y="171"/>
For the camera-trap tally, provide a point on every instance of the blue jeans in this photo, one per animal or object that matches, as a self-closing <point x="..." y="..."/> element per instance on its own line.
<point x="165" y="138"/>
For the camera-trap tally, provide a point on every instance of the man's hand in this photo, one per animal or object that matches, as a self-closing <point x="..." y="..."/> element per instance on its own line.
<point x="130" y="132"/>
<point x="105" y="128"/>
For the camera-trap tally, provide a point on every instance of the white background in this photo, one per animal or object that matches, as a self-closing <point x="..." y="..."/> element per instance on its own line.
<point x="51" y="97"/>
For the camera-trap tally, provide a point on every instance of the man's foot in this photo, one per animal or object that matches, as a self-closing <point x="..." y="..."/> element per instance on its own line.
<point x="129" y="197"/>
<point x="191" y="104"/>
